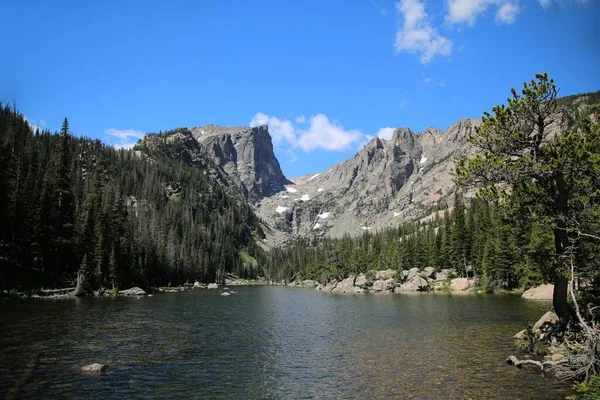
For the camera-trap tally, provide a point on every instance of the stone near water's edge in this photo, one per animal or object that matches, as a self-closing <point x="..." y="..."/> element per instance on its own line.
<point x="212" y="286"/>
<point x="225" y="294"/>
<point x="95" y="368"/>
<point x="542" y="292"/>
<point x="134" y="291"/>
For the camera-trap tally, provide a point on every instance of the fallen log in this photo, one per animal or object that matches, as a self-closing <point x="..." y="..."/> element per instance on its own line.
<point x="512" y="360"/>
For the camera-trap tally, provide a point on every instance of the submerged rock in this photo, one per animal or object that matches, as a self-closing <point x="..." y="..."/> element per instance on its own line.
<point x="95" y="368"/>
<point x="225" y="294"/>
<point x="134" y="291"/>
<point x="542" y="292"/>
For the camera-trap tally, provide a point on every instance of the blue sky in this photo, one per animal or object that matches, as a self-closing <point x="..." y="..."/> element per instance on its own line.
<point x="325" y="75"/>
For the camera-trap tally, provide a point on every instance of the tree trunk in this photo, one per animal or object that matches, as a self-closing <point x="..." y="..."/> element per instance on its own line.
<point x="561" y="243"/>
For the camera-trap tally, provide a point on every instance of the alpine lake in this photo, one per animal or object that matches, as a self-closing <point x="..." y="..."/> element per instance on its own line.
<point x="270" y="342"/>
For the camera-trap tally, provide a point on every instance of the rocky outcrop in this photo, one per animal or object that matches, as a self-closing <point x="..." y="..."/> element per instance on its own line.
<point x="246" y="156"/>
<point x="134" y="291"/>
<point x="542" y="292"/>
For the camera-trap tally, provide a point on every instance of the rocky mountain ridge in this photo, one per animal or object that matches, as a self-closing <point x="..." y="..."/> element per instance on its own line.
<point x="386" y="183"/>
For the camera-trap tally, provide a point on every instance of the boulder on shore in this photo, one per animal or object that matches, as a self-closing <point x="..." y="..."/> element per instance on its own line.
<point x="384" y="285"/>
<point x="212" y="286"/>
<point x="415" y="284"/>
<point x="460" y="284"/>
<point x="542" y="292"/>
<point x="361" y="281"/>
<point x="549" y="318"/>
<point x="428" y="272"/>
<point x="385" y="274"/>
<point x="134" y="291"/>
<point x="94" y="368"/>
<point x="347" y="286"/>
<point x="411" y="273"/>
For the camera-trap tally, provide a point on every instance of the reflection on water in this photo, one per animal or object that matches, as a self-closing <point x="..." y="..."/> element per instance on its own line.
<point x="270" y="342"/>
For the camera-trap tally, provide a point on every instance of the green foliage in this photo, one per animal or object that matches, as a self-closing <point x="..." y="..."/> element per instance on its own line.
<point x="589" y="390"/>
<point x="73" y="206"/>
<point x="540" y="179"/>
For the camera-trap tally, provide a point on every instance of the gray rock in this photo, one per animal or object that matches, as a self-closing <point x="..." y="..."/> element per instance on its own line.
<point x="428" y="272"/>
<point x="548" y="318"/>
<point x="212" y="286"/>
<point x="307" y="283"/>
<point x="347" y="286"/>
<point x="225" y="294"/>
<point x="385" y="274"/>
<point x="412" y="273"/>
<point x="330" y="286"/>
<point x="197" y="284"/>
<point x="95" y="368"/>
<point x="134" y="291"/>
<point x="415" y="284"/>
<point x="361" y="281"/>
<point x="384" y="285"/>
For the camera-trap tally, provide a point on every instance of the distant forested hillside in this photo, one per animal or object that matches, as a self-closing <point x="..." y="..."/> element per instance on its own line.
<point x="73" y="206"/>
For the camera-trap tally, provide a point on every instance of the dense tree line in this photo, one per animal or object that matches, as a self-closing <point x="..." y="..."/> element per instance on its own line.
<point x="73" y="207"/>
<point x="475" y="239"/>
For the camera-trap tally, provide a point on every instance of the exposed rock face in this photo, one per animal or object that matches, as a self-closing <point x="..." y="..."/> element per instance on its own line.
<point x="240" y="158"/>
<point x="542" y="292"/>
<point x="245" y="155"/>
<point x="134" y="291"/>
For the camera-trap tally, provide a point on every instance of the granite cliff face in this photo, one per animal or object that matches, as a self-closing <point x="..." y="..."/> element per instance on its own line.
<point x="245" y="155"/>
<point x="241" y="159"/>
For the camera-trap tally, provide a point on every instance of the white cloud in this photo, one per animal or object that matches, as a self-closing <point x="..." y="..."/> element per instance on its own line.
<point x="321" y="133"/>
<point x="300" y="119"/>
<point x="125" y="138"/>
<point x="428" y="81"/>
<point x="467" y="11"/>
<point x="545" y="4"/>
<point x="280" y="130"/>
<point x="385" y="133"/>
<point x="507" y="13"/>
<point x="417" y="34"/>
<point x="328" y="135"/>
